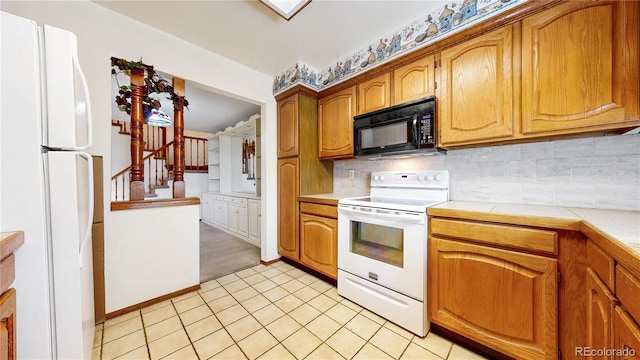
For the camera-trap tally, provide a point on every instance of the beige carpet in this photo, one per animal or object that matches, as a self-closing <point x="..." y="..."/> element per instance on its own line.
<point x="223" y="254"/>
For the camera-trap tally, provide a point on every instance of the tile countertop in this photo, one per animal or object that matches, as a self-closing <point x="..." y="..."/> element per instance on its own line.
<point x="617" y="231"/>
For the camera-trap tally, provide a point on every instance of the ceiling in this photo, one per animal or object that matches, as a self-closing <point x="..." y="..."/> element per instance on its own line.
<point x="251" y="34"/>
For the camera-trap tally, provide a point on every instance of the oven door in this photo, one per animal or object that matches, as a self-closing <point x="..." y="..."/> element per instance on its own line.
<point x="386" y="247"/>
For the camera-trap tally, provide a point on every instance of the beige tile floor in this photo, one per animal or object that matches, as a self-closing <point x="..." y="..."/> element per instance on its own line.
<point x="264" y="312"/>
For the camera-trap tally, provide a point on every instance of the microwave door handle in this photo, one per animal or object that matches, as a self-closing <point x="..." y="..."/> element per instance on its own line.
<point x="416" y="132"/>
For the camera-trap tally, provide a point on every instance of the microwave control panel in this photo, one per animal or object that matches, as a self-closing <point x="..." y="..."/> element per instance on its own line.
<point x="426" y="131"/>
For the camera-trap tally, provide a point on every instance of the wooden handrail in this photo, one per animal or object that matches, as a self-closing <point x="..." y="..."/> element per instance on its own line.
<point x="154" y="137"/>
<point x="161" y="173"/>
<point x="143" y="159"/>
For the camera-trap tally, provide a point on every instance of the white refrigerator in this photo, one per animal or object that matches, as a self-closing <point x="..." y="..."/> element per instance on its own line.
<point x="46" y="187"/>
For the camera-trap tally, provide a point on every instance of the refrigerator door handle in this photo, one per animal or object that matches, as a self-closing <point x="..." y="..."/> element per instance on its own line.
<point x="85" y="90"/>
<point x="87" y="234"/>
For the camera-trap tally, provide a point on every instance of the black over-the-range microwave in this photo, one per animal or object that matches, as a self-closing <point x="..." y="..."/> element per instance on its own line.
<point x="408" y="128"/>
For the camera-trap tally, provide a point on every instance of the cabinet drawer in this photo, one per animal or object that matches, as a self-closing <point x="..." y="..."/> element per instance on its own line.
<point x="628" y="292"/>
<point x="319" y="209"/>
<point x="601" y="263"/>
<point x="222" y="198"/>
<point x="238" y="201"/>
<point x="543" y="241"/>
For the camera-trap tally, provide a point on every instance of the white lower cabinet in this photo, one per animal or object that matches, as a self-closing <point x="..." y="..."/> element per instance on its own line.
<point x="207" y="208"/>
<point x="238" y="221"/>
<point x="236" y="215"/>
<point x="254" y="221"/>
<point x="220" y="213"/>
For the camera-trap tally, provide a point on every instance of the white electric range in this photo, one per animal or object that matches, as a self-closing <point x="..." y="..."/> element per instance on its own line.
<point x="382" y="245"/>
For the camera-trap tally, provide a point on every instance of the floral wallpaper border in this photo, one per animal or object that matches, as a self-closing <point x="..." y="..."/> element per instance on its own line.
<point x="456" y="15"/>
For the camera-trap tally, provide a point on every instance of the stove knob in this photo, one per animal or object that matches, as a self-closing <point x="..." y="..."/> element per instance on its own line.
<point x="421" y="177"/>
<point x="376" y="177"/>
<point x="381" y="177"/>
<point x="438" y="177"/>
<point x="429" y="177"/>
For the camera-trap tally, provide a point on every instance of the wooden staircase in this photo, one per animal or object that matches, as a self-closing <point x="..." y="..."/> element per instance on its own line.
<point x="158" y="162"/>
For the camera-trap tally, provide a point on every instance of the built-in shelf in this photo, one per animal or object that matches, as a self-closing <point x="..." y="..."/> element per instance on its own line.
<point x="222" y="157"/>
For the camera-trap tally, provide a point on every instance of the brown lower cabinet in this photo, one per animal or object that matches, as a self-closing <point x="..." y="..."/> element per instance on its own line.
<point x="530" y="292"/>
<point x="600" y="308"/>
<point x="8" y="339"/>
<point x="9" y="242"/>
<point x="626" y="335"/>
<point x="612" y="312"/>
<point x="503" y="299"/>
<point x="319" y="238"/>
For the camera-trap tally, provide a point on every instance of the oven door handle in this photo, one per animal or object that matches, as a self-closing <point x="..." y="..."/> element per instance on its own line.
<point x="382" y="214"/>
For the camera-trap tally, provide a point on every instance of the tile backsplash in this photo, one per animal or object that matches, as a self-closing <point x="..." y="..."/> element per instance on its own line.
<point x="597" y="172"/>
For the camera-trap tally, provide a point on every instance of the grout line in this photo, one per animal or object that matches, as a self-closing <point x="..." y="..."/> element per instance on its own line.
<point x="343" y="301"/>
<point x="224" y="327"/>
<point x="183" y="328"/>
<point x="144" y="331"/>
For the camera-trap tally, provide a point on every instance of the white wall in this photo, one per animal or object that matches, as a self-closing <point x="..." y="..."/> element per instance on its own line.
<point x="102" y="34"/>
<point x="143" y="266"/>
<point x="595" y="172"/>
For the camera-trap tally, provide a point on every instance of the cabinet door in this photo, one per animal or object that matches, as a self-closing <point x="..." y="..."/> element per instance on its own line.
<point x="476" y="90"/>
<point x="288" y="208"/>
<point x="335" y="124"/>
<point x="374" y="94"/>
<point x="600" y="307"/>
<point x="502" y="299"/>
<point x="233" y="217"/>
<point x="254" y="221"/>
<point x="288" y="122"/>
<point x="221" y="214"/>
<point x="207" y="207"/>
<point x="242" y="221"/>
<point x="414" y="80"/>
<point x="8" y="340"/>
<point x="319" y="244"/>
<point x="626" y="335"/>
<point x="580" y="68"/>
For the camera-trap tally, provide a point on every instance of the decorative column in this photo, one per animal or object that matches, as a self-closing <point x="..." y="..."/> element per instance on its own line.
<point x="136" y="188"/>
<point x="178" y="139"/>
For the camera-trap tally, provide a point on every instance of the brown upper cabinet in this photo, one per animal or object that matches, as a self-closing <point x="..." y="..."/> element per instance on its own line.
<point x="288" y="123"/>
<point x="580" y="68"/>
<point x="414" y="80"/>
<point x="374" y="94"/>
<point x="561" y="71"/>
<point x="335" y="124"/>
<point x="476" y="90"/>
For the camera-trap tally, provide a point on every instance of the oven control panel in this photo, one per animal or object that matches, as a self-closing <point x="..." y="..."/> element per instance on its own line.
<point x="414" y="179"/>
